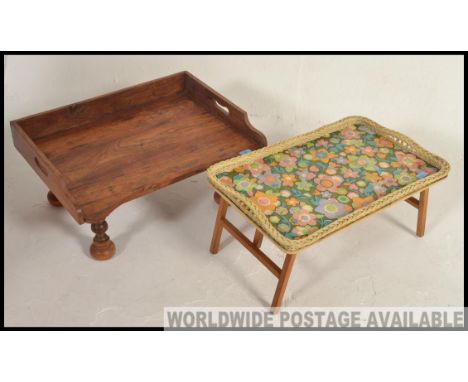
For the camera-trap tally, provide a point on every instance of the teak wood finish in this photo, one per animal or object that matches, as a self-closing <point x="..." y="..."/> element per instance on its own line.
<point x="97" y="154"/>
<point x="284" y="273"/>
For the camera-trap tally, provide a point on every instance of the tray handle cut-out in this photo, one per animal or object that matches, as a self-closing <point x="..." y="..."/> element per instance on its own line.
<point x="221" y="107"/>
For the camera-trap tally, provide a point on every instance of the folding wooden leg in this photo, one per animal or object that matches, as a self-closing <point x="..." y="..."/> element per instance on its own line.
<point x="254" y="248"/>
<point x="422" y="212"/>
<point x="258" y="238"/>
<point x="283" y="281"/>
<point x="218" y="228"/>
<point x="421" y="206"/>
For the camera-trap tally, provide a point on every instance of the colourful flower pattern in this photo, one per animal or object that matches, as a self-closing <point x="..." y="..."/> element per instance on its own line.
<point x="307" y="187"/>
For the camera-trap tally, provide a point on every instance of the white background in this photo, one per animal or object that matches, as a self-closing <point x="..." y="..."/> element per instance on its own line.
<point x="246" y="25"/>
<point x="234" y="356"/>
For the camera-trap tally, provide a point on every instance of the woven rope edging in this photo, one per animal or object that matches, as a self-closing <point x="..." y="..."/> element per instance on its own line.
<point x="257" y="217"/>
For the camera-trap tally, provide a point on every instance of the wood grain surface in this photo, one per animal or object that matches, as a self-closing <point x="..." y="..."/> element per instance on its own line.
<point x="95" y="155"/>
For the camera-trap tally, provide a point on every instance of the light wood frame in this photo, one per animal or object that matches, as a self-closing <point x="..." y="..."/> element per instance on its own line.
<point x="283" y="274"/>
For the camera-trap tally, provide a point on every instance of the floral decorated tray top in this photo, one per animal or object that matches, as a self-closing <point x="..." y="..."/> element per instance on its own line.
<point x="306" y="187"/>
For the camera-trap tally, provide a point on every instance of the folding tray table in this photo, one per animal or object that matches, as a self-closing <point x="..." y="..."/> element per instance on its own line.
<point x="304" y="189"/>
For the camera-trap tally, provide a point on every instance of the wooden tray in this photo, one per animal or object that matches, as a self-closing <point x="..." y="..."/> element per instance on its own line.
<point x="96" y="154"/>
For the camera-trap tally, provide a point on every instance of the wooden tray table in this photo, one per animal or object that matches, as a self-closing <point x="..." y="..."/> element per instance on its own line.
<point x="304" y="189"/>
<point x="96" y="154"/>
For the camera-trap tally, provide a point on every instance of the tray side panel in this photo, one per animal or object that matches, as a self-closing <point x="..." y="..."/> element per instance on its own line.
<point x="91" y="110"/>
<point x="46" y="171"/>
<point x="220" y="106"/>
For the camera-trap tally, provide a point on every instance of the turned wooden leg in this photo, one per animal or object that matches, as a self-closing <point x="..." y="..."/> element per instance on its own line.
<point x="218" y="228"/>
<point x="53" y="199"/>
<point x="258" y="238"/>
<point x="102" y="248"/>
<point x="283" y="282"/>
<point x="216" y="197"/>
<point x="422" y="212"/>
